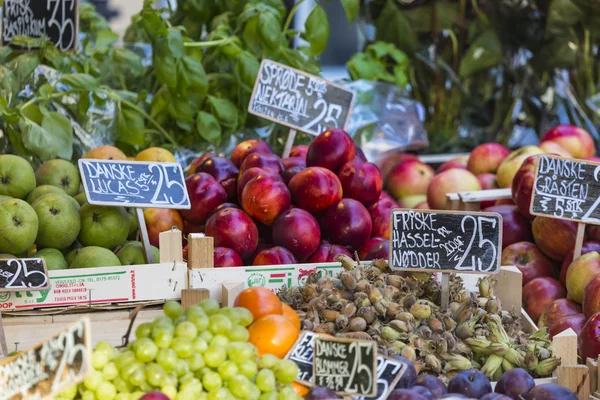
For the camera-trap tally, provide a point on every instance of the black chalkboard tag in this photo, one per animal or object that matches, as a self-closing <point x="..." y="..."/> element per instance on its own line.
<point x="20" y="274"/>
<point x="349" y="367"/>
<point x="48" y="368"/>
<point x="56" y="20"/>
<point x="298" y="100"/>
<point x="134" y="184"/>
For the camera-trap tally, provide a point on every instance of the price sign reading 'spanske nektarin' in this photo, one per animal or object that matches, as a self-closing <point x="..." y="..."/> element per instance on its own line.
<point x="566" y="189"/>
<point x="19" y="274"/>
<point x="134" y="184"/>
<point x="439" y="241"/>
<point x="299" y="100"/>
<point x="56" y="20"/>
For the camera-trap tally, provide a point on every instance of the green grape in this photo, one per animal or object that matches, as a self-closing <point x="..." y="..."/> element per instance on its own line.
<point x="186" y="330"/>
<point x="167" y="359"/>
<point x="195" y="362"/>
<point x="155" y="374"/>
<point x="124" y="359"/>
<point x="104" y="346"/>
<point x="99" y="359"/>
<point x="191" y="383"/>
<point x="219" y="394"/>
<point x="145" y="350"/>
<point x="163" y="339"/>
<point x="122" y="396"/>
<point x="268" y="361"/>
<point x="268" y="396"/>
<point x="241" y="352"/>
<point x="240" y="386"/>
<point x="182" y="347"/>
<point x="171" y="380"/>
<point x="106" y="391"/>
<point x="146" y="387"/>
<point x="162" y="321"/>
<point x="199" y="345"/>
<point x="92" y="380"/>
<point x="122" y="385"/>
<point x="88" y="395"/>
<point x="215" y="356"/>
<point x="187" y="395"/>
<point x="181" y="369"/>
<point x="238" y="334"/>
<point x="231" y="314"/>
<point x="220" y="340"/>
<point x="245" y="316"/>
<point x="219" y="324"/>
<point x="202" y="371"/>
<point x="69" y="393"/>
<point x="212" y="380"/>
<point x="265" y="380"/>
<point x="137" y="377"/>
<point x="248" y="369"/>
<point x="194" y="310"/>
<point x="173" y="309"/>
<point x="287" y="393"/>
<point x="209" y="306"/>
<point x="206" y="335"/>
<point x="144" y="330"/>
<point x="253" y="393"/>
<point x="136" y="395"/>
<point x="110" y="371"/>
<point x="287" y="371"/>
<point x="199" y="321"/>
<point x="130" y="368"/>
<point x="228" y="370"/>
<point x="170" y="391"/>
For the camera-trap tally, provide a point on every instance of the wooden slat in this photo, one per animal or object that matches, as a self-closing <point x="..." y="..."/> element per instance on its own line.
<point x="576" y="379"/>
<point x="171" y="249"/>
<point x="565" y="347"/>
<point x="200" y="251"/>
<point x="593" y="367"/>
<point x="193" y="296"/>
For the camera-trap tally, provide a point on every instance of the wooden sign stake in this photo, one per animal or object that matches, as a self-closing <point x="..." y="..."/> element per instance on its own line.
<point x="3" y="344"/>
<point x="201" y="250"/>
<point x="289" y="143"/>
<point x="171" y="249"/>
<point x="579" y="240"/>
<point x="143" y="229"/>
<point x="445" y="290"/>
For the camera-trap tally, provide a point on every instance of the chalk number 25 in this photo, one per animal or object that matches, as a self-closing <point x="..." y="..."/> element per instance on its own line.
<point x="478" y="228"/>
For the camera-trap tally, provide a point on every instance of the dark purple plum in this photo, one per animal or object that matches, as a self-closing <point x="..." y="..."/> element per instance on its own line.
<point x="224" y="171"/>
<point x="471" y="383"/>
<point x="406" y="394"/>
<point x="409" y="379"/>
<point x="433" y="384"/>
<point x="495" y="396"/>
<point x="515" y="383"/>
<point x="453" y="396"/>
<point x="423" y="391"/>
<point x="289" y="173"/>
<point x="550" y="391"/>
<point x="321" y="393"/>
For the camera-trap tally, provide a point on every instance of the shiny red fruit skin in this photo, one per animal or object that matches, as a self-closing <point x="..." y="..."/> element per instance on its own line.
<point x="269" y="162"/>
<point x="540" y="292"/>
<point x="223" y="171"/>
<point x="298" y="231"/>
<point x="589" y="338"/>
<point x="587" y="247"/>
<point x="247" y="147"/>
<point x="225" y="257"/>
<point x="234" y="229"/>
<point x="369" y="244"/>
<point x="327" y="252"/>
<point x="381" y="251"/>
<point x="515" y="227"/>
<point x="275" y="256"/>
<point x="522" y="186"/>
<point x="205" y="195"/>
<point x="331" y="149"/>
<point x="361" y="181"/>
<point x="265" y="197"/>
<point x="299" y="151"/>
<point x="575" y="322"/>
<point x="315" y="189"/>
<point x="347" y="223"/>
<point x="380" y="216"/>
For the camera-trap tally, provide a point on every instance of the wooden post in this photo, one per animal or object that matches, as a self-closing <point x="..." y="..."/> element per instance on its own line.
<point x="453" y="201"/>
<point x="593" y="367"/>
<point x="289" y="143"/>
<point x="579" y="240"/>
<point x="445" y="290"/>
<point x="171" y="248"/>
<point x="565" y="347"/>
<point x="229" y="291"/>
<point x="144" y="233"/>
<point x="576" y="379"/>
<point x="509" y="288"/>
<point x="3" y="345"/>
<point x="200" y="251"/>
<point x="193" y="296"/>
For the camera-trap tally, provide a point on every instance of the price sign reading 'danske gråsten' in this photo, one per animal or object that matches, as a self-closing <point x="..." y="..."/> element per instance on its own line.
<point x="567" y="189"/>
<point x="299" y="100"/>
<point x="56" y="20"/>
<point x="445" y="241"/>
<point x="19" y="274"/>
<point x="134" y="184"/>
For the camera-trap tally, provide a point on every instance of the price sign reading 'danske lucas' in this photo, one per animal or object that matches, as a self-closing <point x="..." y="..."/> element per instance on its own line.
<point x="299" y="100"/>
<point x="23" y="274"/>
<point x="445" y="241"/>
<point x="134" y="184"/>
<point x="567" y="189"/>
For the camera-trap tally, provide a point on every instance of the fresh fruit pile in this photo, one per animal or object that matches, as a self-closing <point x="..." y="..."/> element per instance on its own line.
<point x="200" y="353"/>
<point x="402" y="313"/>
<point x="323" y="200"/>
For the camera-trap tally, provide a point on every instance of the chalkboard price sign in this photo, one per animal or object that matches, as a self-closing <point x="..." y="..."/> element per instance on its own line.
<point x="299" y="100"/>
<point x="346" y="366"/>
<point x="134" y="184"/>
<point x="302" y="354"/>
<point x="57" y="20"/>
<point x="49" y="367"/>
<point x="445" y="241"/>
<point x="23" y="274"/>
<point x="567" y="189"/>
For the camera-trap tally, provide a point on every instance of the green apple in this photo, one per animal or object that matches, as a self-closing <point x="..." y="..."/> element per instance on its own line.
<point x="80" y="197"/>
<point x="101" y="226"/>
<point x="4" y="198"/>
<point x="133" y="254"/>
<point x="42" y="191"/>
<point x="71" y="254"/>
<point x="60" y="173"/>
<point x="19" y="224"/>
<point x="133" y="222"/>
<point x="93" y="256"/>
<point x="63" y="194"/>
<point x="17" y="178"/>
<point x="6" y="256"/>
<point x="54" y="259"/>
<point x="59" y="221"/>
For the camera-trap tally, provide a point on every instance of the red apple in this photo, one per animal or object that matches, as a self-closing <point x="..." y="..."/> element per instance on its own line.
<point x="511" y="164"/>
<point x="387" y="163"/>
<point x="184" y="252"/>
<point x="589" y="338"/>
<point x="575" y="322"/>
<point x="265" y="197"/>
<point x="275" y="256"/>
<point x="540" y="292"/>
<point x="459" y="162"/>
<point x="422" y="206"/>
<point x="369" y="244"/>
<point x="154" y="396"/>
<point x="222" y="207"/>
<point x="269" y="162"/>
<point x="225" y="257"/>
<point x="450" y="181"/>
<point x="515" y="227"/>
<point x="591" y="297"/>
<point x="411" y="201"/>
<point x="360" y="155"/>
<point x="327" y="252"/>
<point x="594" y="159"/>
<point x="487" y="181"/>
<point x="380" y="215"/>
<point x="160" y="220"/>
<point x="409" y="178"/>
<point x="188" y="228"/>
<point x="558" y="309"/>
<point x="486" y="158"/>
<point x="504" y="202"/>
<point x="522" y="186"/>
<point x="331" y="149"/>
<point x="205" y="194"/>
<point x="530" y="260"/>
<point x="192" y="167"/>
<point x="580" y="274"/>
<point x="381" y="251"/>
<point x="224" y="172"/>
<point x="576" y="140"/>
<point x="586" y="248"/>
<point x="250" y="174"/>
<point x="291" y="162"/>
<point x="289" y="173"/>
<point x="593" y="232"/>
<point x="234" y="229"/>
<point x="386" y="195"/>
<point x="554" y="237"/>
<point x="347" y="223"/>
<point x="298" y="231"/>
<point x="555" y="148"/>
<point x="315" y="189"/>
<point x="361" y="181"/>
<point x="247" y="147"/>
<point x="299" y="151"/>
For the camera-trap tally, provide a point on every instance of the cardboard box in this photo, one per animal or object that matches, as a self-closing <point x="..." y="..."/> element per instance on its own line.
<point x="94" y="286"/>
<point x="270" y="277"/>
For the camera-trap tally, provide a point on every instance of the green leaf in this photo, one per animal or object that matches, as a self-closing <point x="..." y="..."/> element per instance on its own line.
<point x="85" y="101"/>
<point x="317" y="30"/>
<point x="363" y="66"/>
<point x="45" y="90"/>
<point x="245" y="70"/>
<point x="484" y="53"/>
<point x="130" y="125"/>
<point x="383" y="49"/>
<point x="195" y="75"/>
<point x="3" y="104"/>
<point x="393" y="27"/>
<point x="159" y="108"/>
<point x="420" y="19"/>
<point x="60" y="128"/>
<point x="127" y="62"/>
<point x="105" y="39"/>
<point x="351" y="8"/>
<point x="224" y="110"/>
<point x="180" y="109"/>
<point x="269" y="30"/>
<point x="152" y="22"/>
<point x="80" y="81"/>
<point x="53" y="138"/>
<point x="296" y="59"/>
<point x="23" y="66"/>
<point x="208" y="127"/>
<point x="170" y="45"/>
<point x="562" y="14"/>
<point x="166" y="70"/>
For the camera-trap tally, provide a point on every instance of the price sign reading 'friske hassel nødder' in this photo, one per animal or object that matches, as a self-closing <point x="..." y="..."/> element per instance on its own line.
<point x="567" y="189"/>
<point x="445" y="241"/>
<point x="299" y="100"/>
<point x="56" y="20"/>
<point x="19" y="274"/>
<point x="134" y="184"/>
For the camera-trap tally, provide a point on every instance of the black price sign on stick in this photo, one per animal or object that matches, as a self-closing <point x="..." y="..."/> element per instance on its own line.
<point x="56" y="20"/>
<point x="23" y="274"/>
<point x="50" y="367"/>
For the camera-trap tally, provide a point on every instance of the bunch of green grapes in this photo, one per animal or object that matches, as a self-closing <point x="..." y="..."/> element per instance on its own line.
<point x="201" y="353"/>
